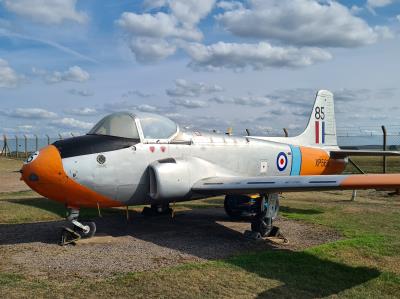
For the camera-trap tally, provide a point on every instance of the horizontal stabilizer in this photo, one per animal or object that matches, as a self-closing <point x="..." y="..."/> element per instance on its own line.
<point x="361" y="153"/>
<point x="246" y="185"/>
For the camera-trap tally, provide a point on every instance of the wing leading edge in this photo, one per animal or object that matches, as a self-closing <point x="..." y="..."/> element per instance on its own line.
<point x="246" y="185"/>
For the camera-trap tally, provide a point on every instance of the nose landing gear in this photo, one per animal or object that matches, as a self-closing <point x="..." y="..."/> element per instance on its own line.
<point x="79" y="229"/>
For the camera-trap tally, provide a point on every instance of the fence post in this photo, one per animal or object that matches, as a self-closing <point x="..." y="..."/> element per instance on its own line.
<point x="5" y="150"/>
<point x="48" y="139"/>
<point x="286" y="132"/>
<point x="26" y="146"/>
<point x="72" y="134"/>
<point x="248" y="132"/>
<point x="384" y="147"/>
<point x="60" y="136"/>
<point x="36" y="143"/>
<point x="16" y="146"/>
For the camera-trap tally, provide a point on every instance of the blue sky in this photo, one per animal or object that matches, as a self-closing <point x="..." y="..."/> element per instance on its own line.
<point x="206" y="64"/>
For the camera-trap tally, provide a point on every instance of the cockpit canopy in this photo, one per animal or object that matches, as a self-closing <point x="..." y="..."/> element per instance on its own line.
<point x="136" y="126"/>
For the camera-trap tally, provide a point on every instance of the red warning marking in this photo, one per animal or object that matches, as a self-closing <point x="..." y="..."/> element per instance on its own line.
<point x="163" y="149"/>
<point x="152" y="149"/>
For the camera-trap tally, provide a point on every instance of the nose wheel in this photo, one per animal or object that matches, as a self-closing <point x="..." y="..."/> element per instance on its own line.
<point x="78" y="231"/>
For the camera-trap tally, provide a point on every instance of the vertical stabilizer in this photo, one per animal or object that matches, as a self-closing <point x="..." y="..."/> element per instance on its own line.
<point x="321" y="128"/>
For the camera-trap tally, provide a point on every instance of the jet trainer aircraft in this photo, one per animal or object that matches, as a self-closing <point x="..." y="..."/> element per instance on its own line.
<point x="145" y="159"/>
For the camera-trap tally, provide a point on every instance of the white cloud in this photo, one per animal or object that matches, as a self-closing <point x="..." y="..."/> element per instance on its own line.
<point x="31" y="113"/>
<point x="25" y="127"/>
<point x="379" y="3"/>
<point x="155" y="36"/>
<point x="229" y="5"/>
<point x="147" y="108"/>
<point x="137" y="93"/>
<point x="150" y="50"/>
<point x="258" y="56"/>
<point x="159" y="25"/>
<point x="82" y="93"/>
<point x="82" y="111"/>
<point x="384" y="32"/>
<point x="185" y="88"/>
<point x="249" y="100"/>
<point x="190" y="12"/>
<point x="356" y="9"/>
<point x="300" y="22"/>
<point x="71" y="123"/>
<point x="191" y="104"/>
<point x="8" y="76"/>
<point x="398" y="17"/>
<point x="47" y="11"/>
<point x="74" y="74"/>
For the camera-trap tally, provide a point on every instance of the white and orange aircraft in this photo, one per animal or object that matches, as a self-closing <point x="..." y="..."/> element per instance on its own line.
<point x="145" y="159"/>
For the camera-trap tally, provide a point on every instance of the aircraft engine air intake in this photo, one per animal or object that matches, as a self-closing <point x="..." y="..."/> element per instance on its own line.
<point x="169" y="178"/>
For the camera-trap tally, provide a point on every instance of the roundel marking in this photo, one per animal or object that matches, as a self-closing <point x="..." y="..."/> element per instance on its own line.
<point x="281" y="161"/>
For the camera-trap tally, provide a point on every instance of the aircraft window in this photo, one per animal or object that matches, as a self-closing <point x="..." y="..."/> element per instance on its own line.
<point x="117" y="124"/>
<point x="157" y="127"/>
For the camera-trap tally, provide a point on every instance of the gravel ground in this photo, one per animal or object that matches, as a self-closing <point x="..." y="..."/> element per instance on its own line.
<point x="142" y="244"/>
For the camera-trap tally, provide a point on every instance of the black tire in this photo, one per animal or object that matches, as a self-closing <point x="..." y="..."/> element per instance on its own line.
<point x="147" y="212"/>
<point x="91" y="232"/>
<point x="233" y="214"/>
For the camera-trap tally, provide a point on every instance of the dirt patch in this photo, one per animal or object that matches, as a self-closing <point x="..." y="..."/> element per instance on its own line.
<point x="9" y="176"/>
<point x="142" y="244"/>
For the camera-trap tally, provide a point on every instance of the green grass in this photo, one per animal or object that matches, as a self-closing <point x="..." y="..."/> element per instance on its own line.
<point x="375" y="164"/>
<point x="365" y="264"/>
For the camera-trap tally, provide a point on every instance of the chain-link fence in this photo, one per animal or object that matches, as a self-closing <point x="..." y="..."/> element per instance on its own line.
<point x="384" y="137"/>
<point x="21" y="146"/>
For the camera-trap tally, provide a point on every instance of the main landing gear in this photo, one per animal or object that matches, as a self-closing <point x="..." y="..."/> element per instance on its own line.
<point x="263" y="211"/>
<point x="267" y="211"/>
<point x="157" y="209"/>
<point x="79" y="230"/>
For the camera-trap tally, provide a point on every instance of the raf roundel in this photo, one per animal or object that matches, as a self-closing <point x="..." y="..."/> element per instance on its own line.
<point x="281" y="161"/>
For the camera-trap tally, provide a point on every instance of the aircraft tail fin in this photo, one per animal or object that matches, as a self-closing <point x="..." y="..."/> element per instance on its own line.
<point x="321" y="128"/>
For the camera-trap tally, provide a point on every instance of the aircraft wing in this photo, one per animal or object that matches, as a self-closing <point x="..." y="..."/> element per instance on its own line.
<point x="246" y="185"/>
<point x="337" y="154"/>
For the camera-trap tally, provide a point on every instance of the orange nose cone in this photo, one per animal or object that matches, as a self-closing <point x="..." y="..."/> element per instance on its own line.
<point x="44" y="173"/>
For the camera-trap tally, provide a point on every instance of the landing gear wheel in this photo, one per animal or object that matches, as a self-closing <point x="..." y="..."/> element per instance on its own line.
<point x="79" y="229"/>
<point x="86" y="234"/>
<point x="228" y="206"/>
<point x="268" y="207"/>
<point x="155" y="210"/>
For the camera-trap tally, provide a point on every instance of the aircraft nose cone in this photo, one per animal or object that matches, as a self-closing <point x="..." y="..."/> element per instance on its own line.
<point x="42" y="167"/>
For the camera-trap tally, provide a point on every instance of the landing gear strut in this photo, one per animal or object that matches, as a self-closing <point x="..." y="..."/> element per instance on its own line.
<point x="267" y="211"/>
<point x="79" y="229"/>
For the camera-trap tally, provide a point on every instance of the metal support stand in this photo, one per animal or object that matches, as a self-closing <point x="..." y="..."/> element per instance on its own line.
<point x="354" y="195"/>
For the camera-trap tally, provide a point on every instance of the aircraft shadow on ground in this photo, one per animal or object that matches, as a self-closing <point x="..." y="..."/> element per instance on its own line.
<point x="200" y="233"/>
<point x="304" y="274"/>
